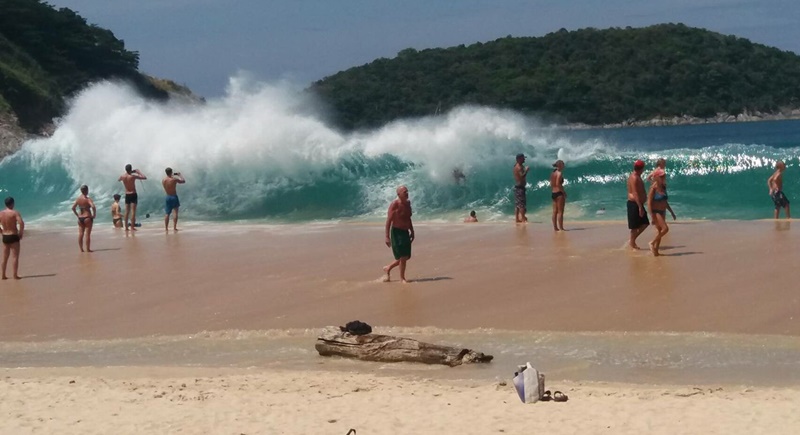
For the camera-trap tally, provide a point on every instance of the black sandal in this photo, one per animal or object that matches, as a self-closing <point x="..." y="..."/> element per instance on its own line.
<point x="558" y="396"/>
<point x="546" y="396"/>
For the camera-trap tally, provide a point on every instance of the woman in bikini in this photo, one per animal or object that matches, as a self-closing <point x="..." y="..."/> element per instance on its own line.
<point x="85" y="218"/>
<point x="657" y="201"/>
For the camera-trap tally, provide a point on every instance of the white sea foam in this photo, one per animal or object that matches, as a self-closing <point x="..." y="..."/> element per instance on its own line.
<point x="247" y="151"/>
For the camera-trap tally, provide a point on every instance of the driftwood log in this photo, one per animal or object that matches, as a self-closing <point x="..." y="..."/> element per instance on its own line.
<point x="386" y="348"/>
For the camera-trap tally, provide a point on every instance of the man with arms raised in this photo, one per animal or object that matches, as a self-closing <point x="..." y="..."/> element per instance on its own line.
<point x="170" y="183"/>
<point x="637" y="216"/>
<point x="399" y="233"/>
<point x="520" y="198"/>
<point x="775" y="183"/>
<point x="131" y="197"/>
<point x="9" y="219"/>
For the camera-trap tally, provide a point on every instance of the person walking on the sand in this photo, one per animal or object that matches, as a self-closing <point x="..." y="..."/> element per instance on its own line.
<point x="637" y="216"/>
<point x="399" y="233"/>
<point x="775" y="183"/>
<point x="657" y="200"/>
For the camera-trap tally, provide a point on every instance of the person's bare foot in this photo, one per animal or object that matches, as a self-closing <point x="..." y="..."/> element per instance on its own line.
<point x="175" y="229"/>
<point x="89" y="250"/>
<point x="81" y="249"/>
<point x="653" y="249"/>
<point x="634" y="246"/>
<point x="17" y="277"/>
<point x="404" y="281"/>
<point x="386" y="277"/>
<point x="5" y="277"/>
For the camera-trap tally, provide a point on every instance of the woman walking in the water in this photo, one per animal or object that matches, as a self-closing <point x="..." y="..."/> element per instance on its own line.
<point x="657" y="200"/>
<point x="85" y="218"/>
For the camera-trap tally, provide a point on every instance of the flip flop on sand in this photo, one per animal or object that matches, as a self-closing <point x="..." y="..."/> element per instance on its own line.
<point x="558" y="396"/>
<point x="546" y="396"/>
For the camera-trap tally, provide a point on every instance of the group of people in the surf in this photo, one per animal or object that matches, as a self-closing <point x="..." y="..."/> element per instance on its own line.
<point x="13" y="227"/>
<point x="399" y="229"/>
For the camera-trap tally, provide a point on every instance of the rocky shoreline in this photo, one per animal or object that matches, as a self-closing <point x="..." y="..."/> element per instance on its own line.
<point x="719" y="118"/>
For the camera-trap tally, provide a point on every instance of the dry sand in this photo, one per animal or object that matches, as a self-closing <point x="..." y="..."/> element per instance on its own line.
<point x="193" y="401"/>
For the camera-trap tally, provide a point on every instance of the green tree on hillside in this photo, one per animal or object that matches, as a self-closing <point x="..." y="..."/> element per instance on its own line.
<point x="589" y="75"/>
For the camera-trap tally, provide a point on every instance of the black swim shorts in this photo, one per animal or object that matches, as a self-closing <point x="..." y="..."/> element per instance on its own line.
<point x="780" y="200"/>
<point x="131" y="198"/>
<point x="634" y="220"/>
<point x="9" y="239"/>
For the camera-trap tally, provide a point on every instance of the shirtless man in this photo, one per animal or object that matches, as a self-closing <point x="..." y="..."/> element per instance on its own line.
<point x="775" y="183"/>
<point x="9" y="219"/>
<point x="520" y="198"/>
<point x="637" y="216"/>
<point x="131" y="197"/>
<point x="116" y="215"/>
<point x="558" y="195"/>
<point x="85" y="217"/>
<point x="170" y="183"/>
<point x="473" y="217"/>
<point x="399" y="233"/>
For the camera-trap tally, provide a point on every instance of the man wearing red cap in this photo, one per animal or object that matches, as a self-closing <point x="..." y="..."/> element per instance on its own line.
<point x="637" y="216"/>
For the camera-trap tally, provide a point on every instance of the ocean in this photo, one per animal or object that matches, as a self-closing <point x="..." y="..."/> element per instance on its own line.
<point x="265" y="153"/>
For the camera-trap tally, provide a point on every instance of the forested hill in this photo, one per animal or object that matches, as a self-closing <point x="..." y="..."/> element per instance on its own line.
<point x="47" y="54"/>
<point x="586" y="76"/>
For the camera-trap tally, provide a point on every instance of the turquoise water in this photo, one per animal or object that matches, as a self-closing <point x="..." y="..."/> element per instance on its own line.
<point x="261" y="153"/>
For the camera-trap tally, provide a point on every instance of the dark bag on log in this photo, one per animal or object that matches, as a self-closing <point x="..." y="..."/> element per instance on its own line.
<point x="356" y="327"/>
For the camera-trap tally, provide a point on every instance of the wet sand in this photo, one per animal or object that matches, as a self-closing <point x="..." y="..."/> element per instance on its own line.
<point x="730" y="276"/>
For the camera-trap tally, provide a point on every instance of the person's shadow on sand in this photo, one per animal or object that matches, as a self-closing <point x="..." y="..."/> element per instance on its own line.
<point x="681" y="254"/>
<point x="667" y="248"/>
<point x="44" y="275"/>
<point x="436" y="278"/>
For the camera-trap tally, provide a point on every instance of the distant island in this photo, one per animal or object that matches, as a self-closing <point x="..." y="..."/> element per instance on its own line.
<point x="48" y="54"/>
<point x="665" y="74"/>
<point x="659" y="75"/>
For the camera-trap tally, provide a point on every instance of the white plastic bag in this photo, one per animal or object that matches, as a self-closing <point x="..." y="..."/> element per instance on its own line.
<point x="529" y="383"/>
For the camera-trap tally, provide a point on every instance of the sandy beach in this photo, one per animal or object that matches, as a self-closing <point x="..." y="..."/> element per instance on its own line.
<point x="218" y="401"/>
<point x="736" y="278"/>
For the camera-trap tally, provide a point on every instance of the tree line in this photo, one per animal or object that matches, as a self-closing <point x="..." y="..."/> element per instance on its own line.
<point x="585" y="76"/>
<point x="47" y="54"/>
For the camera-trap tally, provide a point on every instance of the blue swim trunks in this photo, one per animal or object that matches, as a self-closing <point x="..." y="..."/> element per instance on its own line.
<point x="172" y="203"/>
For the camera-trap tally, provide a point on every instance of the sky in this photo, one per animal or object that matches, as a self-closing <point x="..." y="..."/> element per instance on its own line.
<point x="202" y="43"/>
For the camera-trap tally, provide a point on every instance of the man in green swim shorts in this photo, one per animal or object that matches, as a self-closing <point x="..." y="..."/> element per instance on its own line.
<point x="399" y="233"/>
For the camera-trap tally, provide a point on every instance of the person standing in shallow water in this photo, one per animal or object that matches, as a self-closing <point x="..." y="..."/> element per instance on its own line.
<point x="13" y="228"/>
<point x="637" y="216"/>
<point x="128" y="180"/>
<point x="85" y="217"/>
<point x="558" y="195"/>
<point x="775" y="183"/>
<point x="399" y="233"/>
<point x="170" y="183"/>
<point x="520" y="197"/>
